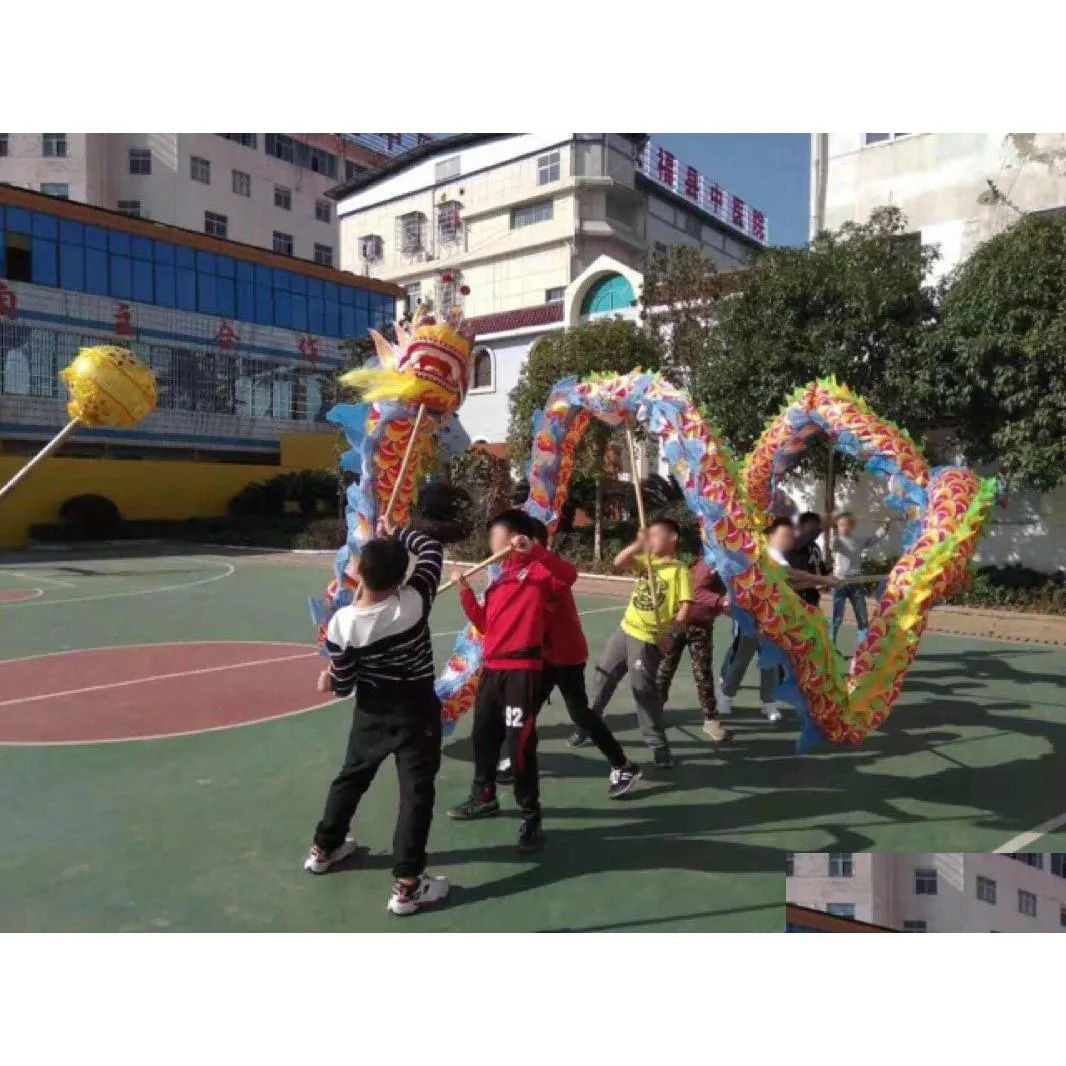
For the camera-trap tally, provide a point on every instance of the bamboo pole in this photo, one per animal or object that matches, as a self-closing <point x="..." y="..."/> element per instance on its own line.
<point x="649" y="569"/>
<point x="406" y="462"/>
<point x="40" y="457"/>
<point x="483" y="565"/>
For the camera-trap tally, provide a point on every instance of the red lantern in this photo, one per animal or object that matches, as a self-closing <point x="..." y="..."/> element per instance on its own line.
<point x="464" y="290"/>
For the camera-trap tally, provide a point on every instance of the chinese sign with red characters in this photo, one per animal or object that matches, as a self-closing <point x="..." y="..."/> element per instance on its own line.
<point x="226" y="338"/>
<point x="308" y="348"/>
<point x="124" y="321"/>
<point x="9" y="303"/>
<point x="665" y="169"/>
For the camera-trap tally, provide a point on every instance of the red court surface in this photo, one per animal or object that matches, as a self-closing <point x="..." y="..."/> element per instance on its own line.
<point x="152" y="691"/>
<point x="19" y="595"/>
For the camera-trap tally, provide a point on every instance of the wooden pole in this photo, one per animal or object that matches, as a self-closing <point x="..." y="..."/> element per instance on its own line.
<point x="40" y="457"/>
<point x="406" y="462"/>
<point x="483" y="565"/>
<point x="649" y="569"/>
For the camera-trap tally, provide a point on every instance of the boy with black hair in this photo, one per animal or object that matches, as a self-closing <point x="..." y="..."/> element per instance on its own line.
<point x="654" y="616"/>
<point x="807" y="556"/>
<point x="512" y="622"/>
<point x="848" y="553"/>
<point x="566" y="654"/>
<point x="380" y="647"/>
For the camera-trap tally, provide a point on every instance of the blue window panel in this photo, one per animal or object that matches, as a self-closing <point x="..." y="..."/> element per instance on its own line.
<point x="164" y="252"/>
<point x="245" y="301"/>
<point x="19" y="221"/>
<point x="72" y="267"/>
<point x="316" y="314"/>
<point x="142" y="248"/>
<point x="299" y="312"/>
<point x="96" y="238"/>
<point x="332" y="292"/>
<point x="121" y="276"/>
<point x="225" y="267"/>
<point x="362" y="321"/>
<point x="45" y="262"/>
<point x="205" y="262"/>
<point x="142" y="282"/>
<point x="207" y="302"/>
<point x="118" y="242"/>
<point x="282" y="309"/>
<point x="314" y="288"/>
<point x="96" y="280"/>
<point x="165" y="285"/>
<point x="264" y="276"/>
<point x="299" y="283"/>
<point x="347" y="295"/>
<point x="362" y="300"/>
<point x="245" y="271"/>
<point x="282" y="280"/>
<point x="1" y="216"/>
<point x="71" y="232"/>
<point x="333" y="319"/>
<point x="226" y="293"/>
<point x="186" y="288"/>
<point x="186" y="257"/>
<point x="264" y="305"/>
<point x="45" y="226"/>
<point x="347" y="321"/>
<point x="3" y="249"/>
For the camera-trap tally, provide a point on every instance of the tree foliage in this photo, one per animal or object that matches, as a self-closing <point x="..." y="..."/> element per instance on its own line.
<point x="610" y="346"/>
<point x="855" y="304"/>
<point x="1003" y="326"/>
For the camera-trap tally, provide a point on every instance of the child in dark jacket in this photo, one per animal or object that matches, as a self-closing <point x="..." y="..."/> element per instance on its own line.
<point x="566" y="654"/>
<point x="710" y="599"/>
<point x="512" y="622"/>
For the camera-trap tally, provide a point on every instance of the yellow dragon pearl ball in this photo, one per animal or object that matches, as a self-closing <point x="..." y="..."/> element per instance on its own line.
<point x="109" y="387"/>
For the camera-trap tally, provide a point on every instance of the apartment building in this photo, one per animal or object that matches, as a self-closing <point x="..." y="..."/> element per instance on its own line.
<point x="544" y="230"/>
<point x="956" y="189"/>
<point x="263" y="189"/>
<point x="934" y="893"/>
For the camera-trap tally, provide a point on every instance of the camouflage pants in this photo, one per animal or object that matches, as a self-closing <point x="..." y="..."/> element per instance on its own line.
<point x="700" y="642"/>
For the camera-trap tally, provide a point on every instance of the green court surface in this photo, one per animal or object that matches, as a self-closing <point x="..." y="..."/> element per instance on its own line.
<point x="206" y="831"/>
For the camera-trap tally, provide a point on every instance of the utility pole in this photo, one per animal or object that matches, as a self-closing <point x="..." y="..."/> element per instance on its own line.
<point x="819" y="190"/>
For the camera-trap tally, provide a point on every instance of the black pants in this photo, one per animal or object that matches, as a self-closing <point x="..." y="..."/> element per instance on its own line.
<point x="700" y="642"/>
<point x="570" y="681"/>
<point x="506" y="711"/>
<point x="411" y="731"/>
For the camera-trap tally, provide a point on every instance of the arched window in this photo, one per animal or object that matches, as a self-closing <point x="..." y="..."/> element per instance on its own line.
<point x="610" y="293"/>
<point x="482" y="376"/>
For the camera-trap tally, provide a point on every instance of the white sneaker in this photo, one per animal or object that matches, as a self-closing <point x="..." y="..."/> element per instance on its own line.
<point x="319" y="860"/>
<point x="724" y="702"/>
<point x="771" y="712"/>
<point x="425" y="892"/>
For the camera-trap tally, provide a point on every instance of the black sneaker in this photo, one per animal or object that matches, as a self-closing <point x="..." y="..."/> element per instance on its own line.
<point x="623" y="779"/>
<point x="531" y="836"/>
<point x="505" y="773"/>
<point x="663" y="758"/>
<point x="578" y="739"/>
<point x="475" y="806"/>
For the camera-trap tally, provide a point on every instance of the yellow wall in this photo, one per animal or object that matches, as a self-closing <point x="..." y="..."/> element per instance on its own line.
<point x="146" y="489"/>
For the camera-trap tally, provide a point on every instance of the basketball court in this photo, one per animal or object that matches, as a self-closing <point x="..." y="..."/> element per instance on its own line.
<point x="164" y="757"/>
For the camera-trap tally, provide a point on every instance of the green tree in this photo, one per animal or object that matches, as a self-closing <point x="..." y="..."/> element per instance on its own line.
<point x="855" y="304"/>
<point x="609" y="346"/>
<point x="681" y="288"/>
<point x="1003" y="325"/>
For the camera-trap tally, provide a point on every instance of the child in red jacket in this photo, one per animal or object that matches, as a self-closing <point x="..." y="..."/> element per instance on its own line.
<point x="566" y="654"/>
<point x="511" y="621"/>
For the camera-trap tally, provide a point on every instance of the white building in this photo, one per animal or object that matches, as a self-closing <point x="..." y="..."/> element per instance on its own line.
<point x="956" y="190"/>
<point x="949" y="892"/>
<point x="545" y="230"/>
<point x="941" y="182"/>
<point x="263" y="189"/>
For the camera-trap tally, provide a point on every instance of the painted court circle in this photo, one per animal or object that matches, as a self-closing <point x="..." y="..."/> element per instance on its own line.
<point x="153" y="691"/>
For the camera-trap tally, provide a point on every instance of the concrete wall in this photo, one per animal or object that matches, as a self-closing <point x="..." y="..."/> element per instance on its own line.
<point x="939" y="180"/>
<point x="25" y="166"/>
